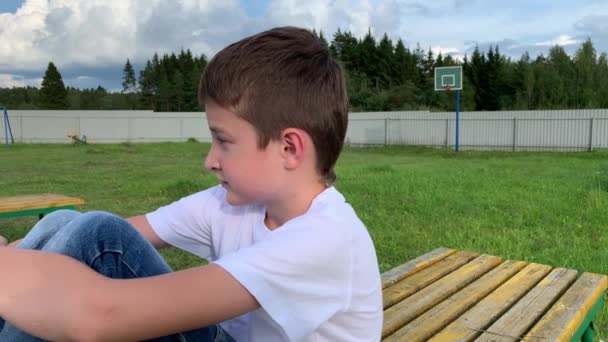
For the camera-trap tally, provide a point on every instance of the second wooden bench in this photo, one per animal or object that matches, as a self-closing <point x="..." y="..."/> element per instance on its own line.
<point x="449" y="295"/>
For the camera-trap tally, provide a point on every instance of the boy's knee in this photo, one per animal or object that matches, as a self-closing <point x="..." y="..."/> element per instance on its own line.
<point x="52" y="223"/>
<point x="102" y="220"/>
<point x="91" y="228"/>
<point x="64" y="215"/>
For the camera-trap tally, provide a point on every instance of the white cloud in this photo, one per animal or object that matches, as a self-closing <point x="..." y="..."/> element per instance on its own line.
<point x="562" y="40"/>
<point x="97" y="33"/>
<point x="81" y="35"/>
<point x="10" y="81"/>
<point x="444" y="50"/>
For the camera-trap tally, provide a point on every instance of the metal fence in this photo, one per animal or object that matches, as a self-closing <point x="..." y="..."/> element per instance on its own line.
<point x="546" y="130"/>
<point x="563" y="134"/>
<point x="563" y="130"/>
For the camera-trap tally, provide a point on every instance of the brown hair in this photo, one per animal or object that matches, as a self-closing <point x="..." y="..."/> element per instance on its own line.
<point x="281" y="78"/>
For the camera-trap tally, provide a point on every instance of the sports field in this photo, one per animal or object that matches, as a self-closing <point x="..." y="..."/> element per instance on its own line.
<point x="539" y="207"/>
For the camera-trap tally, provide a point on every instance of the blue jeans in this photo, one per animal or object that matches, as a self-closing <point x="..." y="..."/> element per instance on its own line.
<point x="109" y="245"/>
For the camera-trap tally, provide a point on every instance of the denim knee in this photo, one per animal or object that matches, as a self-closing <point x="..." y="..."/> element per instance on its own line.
<point x="98" y="224"/>
<point x="110" y="245"/>
<point x="46" y="228"/>
<point x="93" y="232"/>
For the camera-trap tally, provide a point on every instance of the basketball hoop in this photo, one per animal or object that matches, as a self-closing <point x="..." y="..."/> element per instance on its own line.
<point x="447" y="89"/>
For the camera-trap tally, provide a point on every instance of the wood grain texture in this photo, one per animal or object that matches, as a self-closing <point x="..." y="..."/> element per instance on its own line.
<point x="400" y="272"/>
<point x="521" y="317"/>
<point x="39" y="201"/>
<point x="564" y="318"/>
<point x="410" y="285"/>
<point x="429" y="323"/>
<point x="470" y="324"/>
<point x="415" y="305"/>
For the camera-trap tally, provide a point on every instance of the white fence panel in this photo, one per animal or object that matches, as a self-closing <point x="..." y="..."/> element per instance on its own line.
<point x="560" y="130"/>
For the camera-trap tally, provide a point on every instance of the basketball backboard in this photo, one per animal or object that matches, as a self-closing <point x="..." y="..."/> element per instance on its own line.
<point x="448" y="78"/>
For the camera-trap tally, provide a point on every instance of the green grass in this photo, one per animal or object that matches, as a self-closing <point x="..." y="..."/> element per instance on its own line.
<point x="548" y="208"/>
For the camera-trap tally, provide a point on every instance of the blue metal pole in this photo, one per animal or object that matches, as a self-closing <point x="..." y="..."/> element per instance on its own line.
<point x="10" y="131"/>
<point x="457" y="117"/>
<point x="7" y="123"/>
<point x="5" y="126"/>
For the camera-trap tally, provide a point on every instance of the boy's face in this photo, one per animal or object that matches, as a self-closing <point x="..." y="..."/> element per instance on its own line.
<point x="249" y="174"/>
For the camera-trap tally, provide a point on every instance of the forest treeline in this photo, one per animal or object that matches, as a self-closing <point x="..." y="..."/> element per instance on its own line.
<point x="382" y="75"/>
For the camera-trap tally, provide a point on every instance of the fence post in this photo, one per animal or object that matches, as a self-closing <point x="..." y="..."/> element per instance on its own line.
<point x="385" y="131"/>
<point x="21" y="126"/>
<point x="514" y="134"/>
<point x="181" y="130"/>
<point x="130" y="129"/>
<point x="447" y="133"/>
<point x="591" y="134"/>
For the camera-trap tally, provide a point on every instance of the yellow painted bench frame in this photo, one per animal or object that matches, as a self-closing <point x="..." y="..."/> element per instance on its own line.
<point x="37" y="204"/>
<point x="416" y="303"/>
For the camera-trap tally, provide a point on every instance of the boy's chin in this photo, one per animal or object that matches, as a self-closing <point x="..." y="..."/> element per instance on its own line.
<point x="235" y="200"/>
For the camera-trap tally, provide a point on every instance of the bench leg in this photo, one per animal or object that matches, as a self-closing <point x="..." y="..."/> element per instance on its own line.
<point x="588" y="334"/>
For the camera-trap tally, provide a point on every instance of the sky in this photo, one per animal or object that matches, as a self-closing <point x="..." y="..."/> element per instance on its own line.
<point x="90" y="40"/>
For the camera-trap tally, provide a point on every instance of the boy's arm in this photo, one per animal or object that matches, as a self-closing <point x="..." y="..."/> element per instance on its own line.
<point x="143" y="226"/>
<point x="59" y="299"/>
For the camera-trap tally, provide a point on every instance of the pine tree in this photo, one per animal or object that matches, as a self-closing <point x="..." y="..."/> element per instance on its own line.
<point x="345" y="47"/>
<point x="601" y="76"/>
<point x="585" y="60"/>
<point x="492" y="87"/>
<point x="477" y="76"/>
<point x="178" y="91"/>
<point x="129" y="84"/>
<point x="369" y="58"/>
<point x="147" y="86"/>
<point x="401" y="63"/>
<point x="53" y="94"/>
<point x="387" y="63"/>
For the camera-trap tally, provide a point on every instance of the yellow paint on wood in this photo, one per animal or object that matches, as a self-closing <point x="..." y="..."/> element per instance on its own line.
<point x="567" y="314"/>
<point x="406" y="287"/>
<point x="429" y="323"/>
<point x="470" y="324"/>
<point x="39" y="201"/>
<point x="511" y="326"/>
<point x="400" y="272"/>
<point x="413" y="306"/>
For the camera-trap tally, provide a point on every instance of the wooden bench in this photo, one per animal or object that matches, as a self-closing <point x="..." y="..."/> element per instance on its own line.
<point x="38" y="204"/>
<point x="449" y="295"/>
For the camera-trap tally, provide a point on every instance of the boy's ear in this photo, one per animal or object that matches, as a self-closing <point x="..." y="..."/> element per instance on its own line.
<point x="294" y="145"/>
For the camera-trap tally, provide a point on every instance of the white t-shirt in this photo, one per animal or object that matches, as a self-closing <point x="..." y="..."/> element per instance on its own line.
<point x="316" y="277"/>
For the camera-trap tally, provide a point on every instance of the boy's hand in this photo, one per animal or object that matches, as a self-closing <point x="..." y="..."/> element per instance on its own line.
<point x="4" y="242"/>
<point x="14" y="243"/>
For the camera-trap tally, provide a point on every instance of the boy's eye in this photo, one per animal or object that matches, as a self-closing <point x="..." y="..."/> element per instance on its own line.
<point x="221" y="141"/>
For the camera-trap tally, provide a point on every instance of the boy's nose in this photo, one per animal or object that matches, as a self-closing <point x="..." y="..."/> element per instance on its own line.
<point x="211" y="162"/>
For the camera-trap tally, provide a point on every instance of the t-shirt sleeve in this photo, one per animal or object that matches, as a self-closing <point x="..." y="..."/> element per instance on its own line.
<point x="186" y="223"/>
<point x="300" y="274"/>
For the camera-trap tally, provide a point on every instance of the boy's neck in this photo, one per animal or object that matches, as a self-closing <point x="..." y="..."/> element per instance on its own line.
<point x="292" y="203"/>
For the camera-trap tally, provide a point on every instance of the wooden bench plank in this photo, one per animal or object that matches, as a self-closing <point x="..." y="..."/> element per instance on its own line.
<point x="425" y="326"/>
<point x="406" y="287"/>
<point x="470" y="324"/>
<point x="564" y="318"/>
<point x="522" y="316"/>
<point x="400" y="272"/>
<point x="415" y="305"/>
<point x="30" y="202"/>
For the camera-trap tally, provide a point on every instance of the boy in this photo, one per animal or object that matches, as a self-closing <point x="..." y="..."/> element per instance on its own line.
<point x="290" y="260"/>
